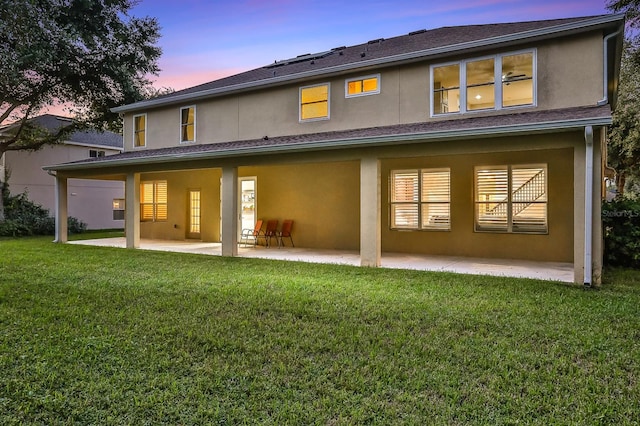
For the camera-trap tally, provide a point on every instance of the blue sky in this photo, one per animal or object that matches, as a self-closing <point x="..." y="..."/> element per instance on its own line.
<point x="206" y="40"/>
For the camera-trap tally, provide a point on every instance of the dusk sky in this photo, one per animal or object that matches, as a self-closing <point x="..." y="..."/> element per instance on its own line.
<point x="203" y="40"/>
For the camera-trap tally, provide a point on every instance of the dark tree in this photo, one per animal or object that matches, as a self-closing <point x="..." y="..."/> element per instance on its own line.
<point x="90" y="55"/>
<point x="624" y="134"/>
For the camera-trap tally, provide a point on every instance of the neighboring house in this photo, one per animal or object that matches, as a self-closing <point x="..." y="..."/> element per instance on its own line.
<point x="89" y="200"/>
<point x="479" y="141"/>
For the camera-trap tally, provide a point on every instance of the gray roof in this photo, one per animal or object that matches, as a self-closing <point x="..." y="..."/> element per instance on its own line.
<point x="495" y="125"/>
<point x="105" y="139"/>
<point x="414" y="46"/>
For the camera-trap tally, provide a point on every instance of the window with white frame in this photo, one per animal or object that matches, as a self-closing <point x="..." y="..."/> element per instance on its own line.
<point x="188" y="124"/>
<point x="94" y="153"/>
<point x="511" y="198"/>
<point x="118" y="209"/>
<point x="470" y="85"/>
<point x="139" y="130"/>
<point x="153" y="201"/>
<point x="421" y="199"/>
<point x="362" y="86"/>
<point x="314" y="102"/>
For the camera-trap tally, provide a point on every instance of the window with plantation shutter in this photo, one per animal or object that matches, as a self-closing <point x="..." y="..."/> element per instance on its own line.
<point x="511" y="198"/>
<point x="420" y="199"/>
<point x="435" y="199"/>
<point x="153" y="201"/>
<point x="404" y="199"/>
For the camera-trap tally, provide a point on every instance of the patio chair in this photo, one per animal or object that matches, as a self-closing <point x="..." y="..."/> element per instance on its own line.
<point x="270" y="232"/>
<point x="252" y="234"/>
<point x="285" y="232"/>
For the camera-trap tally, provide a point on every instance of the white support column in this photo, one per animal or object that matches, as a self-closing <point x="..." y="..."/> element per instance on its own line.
<point x="597" y="236"/>
<point x="588" y="207"/>
<point x="61" y="232"/>
<point x="132" y="210"/>
<point x="578" y="212"/>
<point x="370" y="245"/>
<point x="229" y="211"/>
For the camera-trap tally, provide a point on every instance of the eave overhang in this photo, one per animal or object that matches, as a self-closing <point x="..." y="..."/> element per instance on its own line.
<point x="588" y="24"/>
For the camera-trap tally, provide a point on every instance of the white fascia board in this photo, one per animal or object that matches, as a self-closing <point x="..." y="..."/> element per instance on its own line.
<point x="406" y="138"/>
<point x="395" y="59"/>
<point x="97" y="146"/>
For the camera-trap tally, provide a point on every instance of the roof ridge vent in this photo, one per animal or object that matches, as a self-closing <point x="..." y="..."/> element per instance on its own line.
<point x="417" y="32"/>
<point x="378" y="40"/>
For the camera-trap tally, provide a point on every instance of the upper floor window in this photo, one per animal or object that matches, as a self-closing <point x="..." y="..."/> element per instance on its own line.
<point x="470" y="85"/>
<point x="188" y="124"/>
<point x="361" y="86"/>
<point x="511" y="198"/>
<point x="140" y="130"/>
<point x="314" y="102"/>
<point x="153" y="201"/>
<point x="94" y="153"/>
<point x="421" y="199"/>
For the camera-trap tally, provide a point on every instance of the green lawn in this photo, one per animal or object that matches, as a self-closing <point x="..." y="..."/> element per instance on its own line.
<point x="93" y="335"/>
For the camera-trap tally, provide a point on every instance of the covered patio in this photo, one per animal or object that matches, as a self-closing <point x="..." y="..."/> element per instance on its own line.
<point x="552" y="271"/>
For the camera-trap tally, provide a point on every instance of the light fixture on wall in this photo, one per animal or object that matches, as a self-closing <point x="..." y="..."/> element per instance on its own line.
<point x="478" y="97"/>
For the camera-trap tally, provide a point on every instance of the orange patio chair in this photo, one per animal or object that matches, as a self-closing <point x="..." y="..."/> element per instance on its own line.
<point x="270" y="232"/>
<point x="252" y="234"/>
<point x="285" y="232"/>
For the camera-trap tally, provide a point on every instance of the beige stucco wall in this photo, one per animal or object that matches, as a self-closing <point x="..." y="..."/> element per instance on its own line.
<point x="462" y="240"/>
<point x="569" y="73"/>
<point x="323" y="198"/>
<point x="88" y="200"/>
<point x="178" y="185"/>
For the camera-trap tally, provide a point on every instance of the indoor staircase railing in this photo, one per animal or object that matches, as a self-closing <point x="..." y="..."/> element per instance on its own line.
<point x="522" y="197"/>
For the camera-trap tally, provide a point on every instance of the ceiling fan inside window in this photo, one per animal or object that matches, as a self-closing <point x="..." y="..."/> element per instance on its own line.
<point x="511" y="76"/>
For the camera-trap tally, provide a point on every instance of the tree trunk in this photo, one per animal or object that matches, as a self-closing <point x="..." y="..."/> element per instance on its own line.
<point x="621" y="179"/>
<point x="2" y="191"/>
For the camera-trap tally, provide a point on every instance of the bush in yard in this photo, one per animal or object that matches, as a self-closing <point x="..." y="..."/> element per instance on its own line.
<point x="621" y="221"/>
<point x="24" y="217"/>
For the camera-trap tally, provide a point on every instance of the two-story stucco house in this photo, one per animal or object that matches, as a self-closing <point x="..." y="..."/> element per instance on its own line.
<point x="96" y="203"/>
<point x="479" y="141"/>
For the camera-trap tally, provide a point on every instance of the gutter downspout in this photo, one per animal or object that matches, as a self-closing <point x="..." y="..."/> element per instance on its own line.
<point x="588" y="205"/>
<point x="605" y="74"/>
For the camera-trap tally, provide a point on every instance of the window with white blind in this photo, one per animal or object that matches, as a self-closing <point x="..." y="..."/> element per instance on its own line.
<point x="511" y="199"/>
<point x="153" y="201"/>
<point x="314" y="102"/>
<point x="421" y="199"/>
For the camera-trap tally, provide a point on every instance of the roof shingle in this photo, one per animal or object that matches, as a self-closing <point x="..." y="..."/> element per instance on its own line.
<point x="474" y="126"/>
<point x="383" y="48"/>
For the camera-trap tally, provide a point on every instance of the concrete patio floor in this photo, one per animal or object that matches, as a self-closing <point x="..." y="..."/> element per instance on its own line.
<point x="552" y="271"/>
